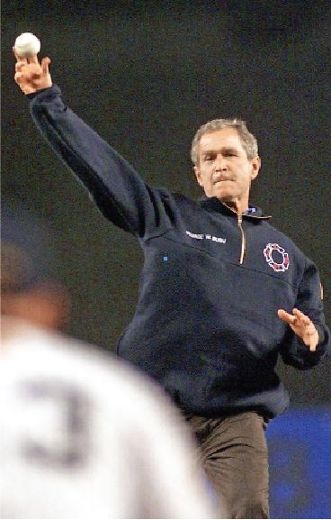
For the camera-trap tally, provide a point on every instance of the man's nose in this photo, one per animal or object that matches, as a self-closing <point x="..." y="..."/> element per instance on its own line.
<point x="220" y="163"/>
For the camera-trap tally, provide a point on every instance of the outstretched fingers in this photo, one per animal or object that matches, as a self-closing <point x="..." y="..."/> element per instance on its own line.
<point x="45" y="62"/>
<point x="302" y="326"/>
<point x="305" y="320"/>
<point x="286" y="317"/>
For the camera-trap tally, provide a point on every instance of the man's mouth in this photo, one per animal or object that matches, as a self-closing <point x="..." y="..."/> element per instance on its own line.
<point x="221" y="179"/>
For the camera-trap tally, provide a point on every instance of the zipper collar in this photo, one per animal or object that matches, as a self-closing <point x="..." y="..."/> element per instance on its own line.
<point x="214" y="204"/>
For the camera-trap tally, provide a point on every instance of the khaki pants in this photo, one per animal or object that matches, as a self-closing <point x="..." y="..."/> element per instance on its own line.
<point x="234" y="455"/>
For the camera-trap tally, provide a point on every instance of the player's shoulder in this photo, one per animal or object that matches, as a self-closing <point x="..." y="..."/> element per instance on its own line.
<point x="105" y="379"/>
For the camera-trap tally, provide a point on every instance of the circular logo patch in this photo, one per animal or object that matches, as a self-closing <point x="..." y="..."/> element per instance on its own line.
<point x="276" y="257"/>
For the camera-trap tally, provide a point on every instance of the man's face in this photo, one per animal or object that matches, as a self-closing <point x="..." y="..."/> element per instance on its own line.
<point x="223" y="169"/>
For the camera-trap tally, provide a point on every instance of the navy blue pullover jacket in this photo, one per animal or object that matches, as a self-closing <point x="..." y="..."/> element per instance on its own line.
<point x="206" y="324"/>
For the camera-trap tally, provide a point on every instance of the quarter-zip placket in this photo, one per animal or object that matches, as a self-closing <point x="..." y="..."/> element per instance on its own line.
<point x="243" y="240"/>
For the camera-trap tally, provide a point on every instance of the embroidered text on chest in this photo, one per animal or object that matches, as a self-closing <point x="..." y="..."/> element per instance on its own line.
<point x="205" y="236"/>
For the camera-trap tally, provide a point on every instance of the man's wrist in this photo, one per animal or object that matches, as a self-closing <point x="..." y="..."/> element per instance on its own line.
<point x="34" y="94"/>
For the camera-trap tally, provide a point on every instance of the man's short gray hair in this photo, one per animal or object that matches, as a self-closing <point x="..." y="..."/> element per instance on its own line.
<point x="247" y="139"/>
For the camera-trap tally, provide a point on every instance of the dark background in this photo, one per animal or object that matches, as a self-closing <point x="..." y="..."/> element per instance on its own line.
<point x="145" y="75"/>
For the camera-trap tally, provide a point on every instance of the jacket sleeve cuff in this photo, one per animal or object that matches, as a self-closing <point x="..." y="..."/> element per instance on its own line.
<point x="322" y="347"/>
<point x="45" y="93"/>
<point x="324" y="340"/>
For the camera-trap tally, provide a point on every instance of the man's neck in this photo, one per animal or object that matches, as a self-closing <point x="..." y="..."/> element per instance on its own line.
<point x="237" y="206"/>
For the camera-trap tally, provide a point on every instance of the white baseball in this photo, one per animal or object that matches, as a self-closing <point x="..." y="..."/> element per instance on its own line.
<point x="27" y="45"/>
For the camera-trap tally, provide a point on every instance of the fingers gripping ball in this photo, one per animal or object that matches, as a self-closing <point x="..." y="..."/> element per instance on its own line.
<point x="27" y="45"/>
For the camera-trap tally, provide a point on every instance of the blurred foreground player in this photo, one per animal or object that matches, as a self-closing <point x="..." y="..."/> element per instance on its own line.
<point x="82" y="436"/>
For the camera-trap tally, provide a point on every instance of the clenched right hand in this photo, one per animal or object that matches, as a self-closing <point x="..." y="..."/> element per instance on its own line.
<point x="32" y="75"/>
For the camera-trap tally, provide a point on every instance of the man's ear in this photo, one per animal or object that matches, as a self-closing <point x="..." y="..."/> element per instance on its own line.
<point x="198" y="175"/>
<point x="256" y="165"/>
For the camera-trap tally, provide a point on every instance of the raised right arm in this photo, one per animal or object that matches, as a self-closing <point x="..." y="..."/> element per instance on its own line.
<point x="120" y="193"/>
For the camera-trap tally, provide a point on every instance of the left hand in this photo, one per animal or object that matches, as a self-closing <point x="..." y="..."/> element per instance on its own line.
<point x="302" y="326"/>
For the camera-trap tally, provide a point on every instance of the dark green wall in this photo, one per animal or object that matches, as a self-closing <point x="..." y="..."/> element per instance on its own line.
<point x="145" y="75"/>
